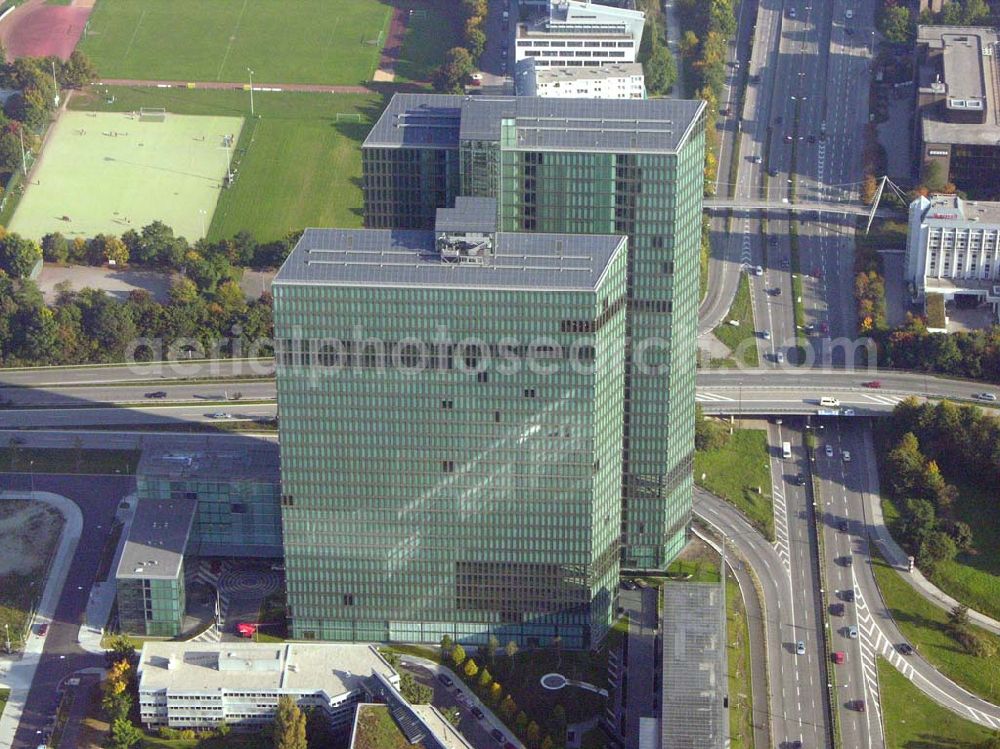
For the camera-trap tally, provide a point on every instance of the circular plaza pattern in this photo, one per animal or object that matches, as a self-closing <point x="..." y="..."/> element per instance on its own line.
<point x="243" y="582"/>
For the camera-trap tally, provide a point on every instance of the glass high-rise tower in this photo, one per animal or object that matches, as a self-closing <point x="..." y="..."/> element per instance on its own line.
<point x="450" y="410"/>
<point x="587" y="166"/>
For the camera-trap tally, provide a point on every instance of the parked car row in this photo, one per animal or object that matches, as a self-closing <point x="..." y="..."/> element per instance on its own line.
<point x="465" y="701"/>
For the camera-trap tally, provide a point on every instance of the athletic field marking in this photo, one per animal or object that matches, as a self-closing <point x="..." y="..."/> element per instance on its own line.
<point x="135" y="32"/>
<point x="229" y="46"/>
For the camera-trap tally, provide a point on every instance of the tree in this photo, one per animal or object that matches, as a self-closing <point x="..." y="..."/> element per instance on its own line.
<point x="534" y="734"/>
<point x="897" y="24"/>
<point x="121" y="649"/>
<point x="868" y="189"/>
<point x="485" y="678"/>
<point x="116" y="700"/>
<point x="55" y="248"/>
<point x="511" y="650"/>
<point x="124" y="735"/>
<point x="458" y="66"/>
<point x="452" y="715"/>
<point x="496" y="692"/>
<point x="115" y="252"/>
<point x="521" y="722"/>
<point x="78" y="70"/>
<point x="660" y="70"/>
<point x="958" y="617"/>
<point x="975" y="12"/>
<point x="689" y="44"/>
<point x="458" y="655"/>
<point x="961" y="534"/>
<point x="18" y="255"/>
<point x="557" y="723"/>
<point x="414" y="692"/>
<point x="231" y="296"/>
<point x="974" y="643"/>
<point x="183" y="291"/>
<point x="938" y="547"/>
<point x="471" y="669"/>
<point x="492" y="645"/>
<point x="289" y="725"/>
<point x="547" y="743"/>
<point x="508" y="707"/>
<point x="708" y="435"/>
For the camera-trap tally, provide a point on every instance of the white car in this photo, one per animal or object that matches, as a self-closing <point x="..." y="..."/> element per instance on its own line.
<point x="847" y="456"/>
<point x="800" y="648"/>
<point x="829" y="451"/>
<point x="986" y="396"/>
<point x="758" y="271"/>
<point x="220" y="415"/>
<point x="848" y="412"/>
<point x="853" y="633"/>
<point x="766" y="335"/>
<point x="849" y="14"/>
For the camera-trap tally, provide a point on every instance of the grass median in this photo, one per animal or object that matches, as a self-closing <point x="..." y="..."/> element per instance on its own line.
<point x="740" y="339"/>
<point x="925" y="626"/>
<point x="740" y="683"/>
<point x="740" y="473"/>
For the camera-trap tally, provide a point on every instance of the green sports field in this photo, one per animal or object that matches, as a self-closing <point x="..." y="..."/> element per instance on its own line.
<point x="282" y="41"/>
<point x="301" y="158"/>
<point x="110" y="172"/>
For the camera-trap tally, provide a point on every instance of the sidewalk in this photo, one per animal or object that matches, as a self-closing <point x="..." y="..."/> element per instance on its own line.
<point x="437" y="668"/>
<point x="899" y="559"/>
<point x="102" y="594"/>
<point x="17" y="675"/>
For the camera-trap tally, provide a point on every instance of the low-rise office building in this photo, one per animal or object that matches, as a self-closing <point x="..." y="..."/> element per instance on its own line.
<point x="203" y="684"/>
<point x="578" y="33"/>
<point x="957" y="109"/>
<point x="612" y="81"/>
<point x="953" y="249"/>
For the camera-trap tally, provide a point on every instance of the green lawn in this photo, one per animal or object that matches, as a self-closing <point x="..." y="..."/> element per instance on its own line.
<point x="306" y="41"/>
<point x="741" y="339"/>
<point x="428" y="32"/>
<point x="923" y="624"/>
<point x="736" y="471"/>
<point x="4" y="694"/>
<point x="108" y="172"/>
<point x="740" y="687"/>
<point x="377" y="730"/>
<point x="914" y="721"/>
<point x="974" y="579"/>
<point x="68" y="460"/>
<point x="298" y="164"/>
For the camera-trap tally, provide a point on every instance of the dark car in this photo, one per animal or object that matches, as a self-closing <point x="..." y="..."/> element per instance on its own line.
<point x="846" y="561"/>
<point x="495" y="733"/>
<point x="628" y="585"/>
<point x="157" y="394"/>
<point x="776" y="291"/>
<point x="905" y="648"/>
<point x="847" y="595"/>
<point x="772" y="240"/>
<point x="479" y="715"/>
<point x="836" y="609"/>
<point x="849" y="31"/>
<point x="726" y="111"/>
<point x="811" y="138"/>
<point x="445" y="679"/>
<point x="43" y="629"/>
<point x="800" y="479"/>
<point x="779" y="120"/>
<point x="755" y="78"/>
<point x="773" y="172"/>
<point x="843" y="526"/>
<point x="859" y="705"/>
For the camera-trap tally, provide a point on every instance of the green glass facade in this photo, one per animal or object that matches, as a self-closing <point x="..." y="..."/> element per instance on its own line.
<point x="151" y="608"/>
<point x="585" y="179"/>
<point x="471" y="492"/>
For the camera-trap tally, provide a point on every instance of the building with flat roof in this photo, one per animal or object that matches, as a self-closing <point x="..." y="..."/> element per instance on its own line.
<point x="202" y="684"/>
<point x="612" y="81"/>
<point x="193" y="501"/>
<point x="958" y="106"/>
<point x="451" y="431"/>
<point x="953" y="249"/>
<point x="150" y="574"/>
<point x="580" y="166"/>
<point x="579" y="33"/>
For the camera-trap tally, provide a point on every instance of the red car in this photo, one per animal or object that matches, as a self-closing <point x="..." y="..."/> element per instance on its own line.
<point x="859" y="705"/>
<point x="839" y="657"/>
<point x="43" y="629"/>
<point x="874" y="384"/>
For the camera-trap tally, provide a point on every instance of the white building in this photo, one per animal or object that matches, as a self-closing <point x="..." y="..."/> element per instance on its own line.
<point x="578" y="33"/>
<point x="953" y="247"/>
<point x="201" y="684"/>
<point x="612" y="81"/>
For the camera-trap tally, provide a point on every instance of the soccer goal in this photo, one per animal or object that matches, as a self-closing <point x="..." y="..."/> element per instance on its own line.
<point x="418" y="13"/>
<point x="377" y="41"/>
<point x="347" y="117"/>
<point x="152" y="114"/>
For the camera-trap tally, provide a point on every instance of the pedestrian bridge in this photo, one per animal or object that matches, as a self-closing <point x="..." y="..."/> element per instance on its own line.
<point x="846" y="208"/>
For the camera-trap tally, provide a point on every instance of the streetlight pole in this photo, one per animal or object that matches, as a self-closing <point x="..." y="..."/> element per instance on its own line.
<point x="24" y="161"/>
<point x="31" y="474"/>
<point x="6" y="632"/>
<point x="251" y="90"/>
<point x="55" y="83"/>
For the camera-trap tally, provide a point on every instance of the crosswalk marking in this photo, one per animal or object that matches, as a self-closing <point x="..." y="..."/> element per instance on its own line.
<point x="712" y="397"/>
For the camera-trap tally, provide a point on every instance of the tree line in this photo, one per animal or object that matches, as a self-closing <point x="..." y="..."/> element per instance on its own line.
<point x="461" y="61"/>
<point x="659" y="68"/>
<point x="35" y="82"/>
<point x="709" y="24"/>
<point x="206" y="310"/>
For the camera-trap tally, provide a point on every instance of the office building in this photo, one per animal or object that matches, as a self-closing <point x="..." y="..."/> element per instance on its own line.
<point x="193" y="502"/>
<point x="200" y="685"/>
<point x="584" y="167"/>
<point x="612" y="81"/>
<point x="957" y="109"/>
<point x="953" y="249"/>
<point x="451" y="431"/>
<point x="578" y="33"/>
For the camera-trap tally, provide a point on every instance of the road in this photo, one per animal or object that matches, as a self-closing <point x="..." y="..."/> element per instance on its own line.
<point x="97" y="497"/>
<point x="161" y="416"/>
<point x="153" y="372"/>
<point x="847" y="491"/>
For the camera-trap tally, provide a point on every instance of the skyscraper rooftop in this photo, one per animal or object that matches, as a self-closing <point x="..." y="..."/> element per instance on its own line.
<point x="605" y="125"/>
